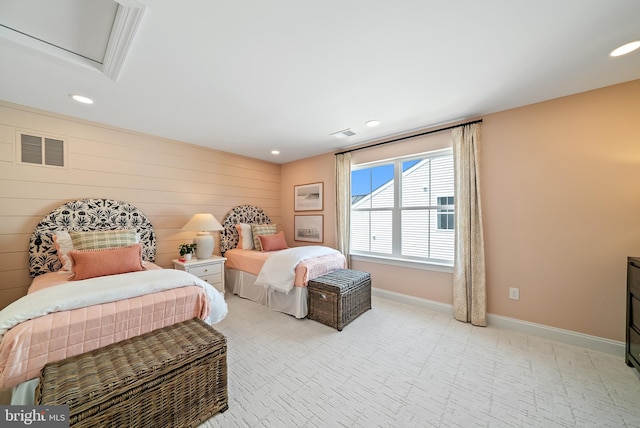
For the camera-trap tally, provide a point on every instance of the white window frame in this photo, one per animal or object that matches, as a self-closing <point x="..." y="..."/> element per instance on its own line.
<point x="396" y="258"/>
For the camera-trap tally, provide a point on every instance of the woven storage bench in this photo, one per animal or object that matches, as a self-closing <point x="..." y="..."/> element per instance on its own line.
<point x="339" y="297"/>
<point x="172" y="377"/>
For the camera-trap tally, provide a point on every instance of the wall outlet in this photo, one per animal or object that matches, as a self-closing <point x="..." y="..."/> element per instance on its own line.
<point x="514" y="293"/>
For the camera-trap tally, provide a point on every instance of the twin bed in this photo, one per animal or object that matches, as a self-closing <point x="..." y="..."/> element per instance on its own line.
<point x="284" y="287"/>
<point x="60" y="318"/>
<point x="113" y="291"/>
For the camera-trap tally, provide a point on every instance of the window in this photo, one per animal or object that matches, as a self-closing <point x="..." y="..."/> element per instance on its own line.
<point x="404" y="208"/>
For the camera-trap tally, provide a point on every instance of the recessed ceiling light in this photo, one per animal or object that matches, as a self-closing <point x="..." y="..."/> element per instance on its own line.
<point x="626" y="48"/>
<point x="372" y="123"/>
<point x="81" y="99"/>
<point x="275" y="152"/>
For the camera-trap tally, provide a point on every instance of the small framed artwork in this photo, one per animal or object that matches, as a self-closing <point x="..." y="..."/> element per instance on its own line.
<point x="308" y="197"/>
<point x="309" y="228"/>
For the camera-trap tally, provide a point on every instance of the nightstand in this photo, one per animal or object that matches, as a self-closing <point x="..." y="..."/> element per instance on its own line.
<point x="210" y="270"/>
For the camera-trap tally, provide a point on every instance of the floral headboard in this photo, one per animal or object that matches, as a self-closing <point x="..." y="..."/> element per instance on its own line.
<point x="241" y="214"/>
<point x="85" y="215"/>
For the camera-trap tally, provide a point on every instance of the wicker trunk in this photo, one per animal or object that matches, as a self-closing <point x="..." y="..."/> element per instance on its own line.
<point x="339" y="297"/>
<point x="172" y="377"/>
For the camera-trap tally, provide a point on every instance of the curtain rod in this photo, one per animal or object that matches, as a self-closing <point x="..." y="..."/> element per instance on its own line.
<point x="433" y="131"/>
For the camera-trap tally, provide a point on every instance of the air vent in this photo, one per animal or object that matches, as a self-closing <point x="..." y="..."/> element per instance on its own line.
<point x="40" y="150"/>
<point x="343" y="134"/>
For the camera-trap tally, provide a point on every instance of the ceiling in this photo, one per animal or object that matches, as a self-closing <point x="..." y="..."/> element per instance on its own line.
<point x="251" y="76"/>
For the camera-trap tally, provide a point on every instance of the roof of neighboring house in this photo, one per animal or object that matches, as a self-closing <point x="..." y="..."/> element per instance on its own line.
<point x="357" y="198"/>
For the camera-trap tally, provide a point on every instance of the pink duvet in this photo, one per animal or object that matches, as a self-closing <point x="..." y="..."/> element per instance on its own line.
<point x="251" y="261"/>
<point x="28" y="346"/>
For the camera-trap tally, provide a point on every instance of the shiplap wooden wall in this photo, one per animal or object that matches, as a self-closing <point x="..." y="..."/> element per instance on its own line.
<point x="168" y="180"/>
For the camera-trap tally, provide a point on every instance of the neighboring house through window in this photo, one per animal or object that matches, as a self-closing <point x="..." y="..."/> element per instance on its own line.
<point x="445" y="215"/>
<point x="404" y="208"/>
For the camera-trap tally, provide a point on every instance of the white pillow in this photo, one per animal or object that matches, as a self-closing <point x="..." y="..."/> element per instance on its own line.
<point x="246" y="236"/>
<point x="64" y="244"/>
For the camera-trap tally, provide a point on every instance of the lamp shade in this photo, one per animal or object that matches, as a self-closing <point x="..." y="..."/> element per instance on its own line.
<point x="203" y="223"/>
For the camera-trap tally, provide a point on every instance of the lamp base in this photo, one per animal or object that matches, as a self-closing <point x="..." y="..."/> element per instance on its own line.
<point x="204" y="245"/>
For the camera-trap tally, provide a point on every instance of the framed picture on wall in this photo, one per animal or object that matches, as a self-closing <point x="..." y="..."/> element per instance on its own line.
<point x="308" y="197"/>
<point x="308" y="228"/>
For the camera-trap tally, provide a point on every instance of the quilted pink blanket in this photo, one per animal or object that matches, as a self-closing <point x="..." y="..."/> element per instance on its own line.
<point x="30" y="344"/>
<point x="252" y="261"/>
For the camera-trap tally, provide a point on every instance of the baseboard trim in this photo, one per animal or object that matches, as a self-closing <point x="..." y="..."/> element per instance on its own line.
<point x="413" y="301"/>
<point x="558" y="334"/>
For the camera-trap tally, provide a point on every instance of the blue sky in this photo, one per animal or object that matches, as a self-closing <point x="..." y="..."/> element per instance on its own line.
<point x="364" y="181"/>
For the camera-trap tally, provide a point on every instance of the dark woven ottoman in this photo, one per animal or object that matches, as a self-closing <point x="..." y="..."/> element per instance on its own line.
<point x="339" y="297"/>
<point x="172" y="377"/>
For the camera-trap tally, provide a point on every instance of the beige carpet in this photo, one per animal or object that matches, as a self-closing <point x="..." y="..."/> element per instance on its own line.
<point x="403" y="366"/>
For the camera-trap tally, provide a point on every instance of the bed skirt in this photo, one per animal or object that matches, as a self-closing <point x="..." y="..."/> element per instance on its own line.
<point x="242" y="283"/>
<point x="24" y="393"/>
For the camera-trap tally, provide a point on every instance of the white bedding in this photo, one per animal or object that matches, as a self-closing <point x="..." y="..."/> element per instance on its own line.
<point x="78" y="294"/>
<point x="278" y="271"/>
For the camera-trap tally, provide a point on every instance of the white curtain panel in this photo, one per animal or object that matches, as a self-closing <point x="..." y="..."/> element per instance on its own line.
<point x="469" y="278"/>
<point x="343" y="204"/>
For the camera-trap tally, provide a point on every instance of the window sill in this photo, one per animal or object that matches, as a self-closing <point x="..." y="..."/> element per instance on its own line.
<point x="403" y="263"/>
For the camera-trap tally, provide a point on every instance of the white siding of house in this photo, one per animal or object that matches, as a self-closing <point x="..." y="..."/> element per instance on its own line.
<point x="383" y="197"/>
<point x="414" y="183"/>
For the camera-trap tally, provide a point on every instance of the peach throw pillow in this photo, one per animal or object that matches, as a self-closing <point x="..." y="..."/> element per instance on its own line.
<point x="273" y="242"/>
<point x="107" y="261"/>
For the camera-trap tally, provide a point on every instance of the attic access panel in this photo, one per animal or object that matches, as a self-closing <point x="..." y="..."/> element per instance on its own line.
<point x="77" y="26"/>
<point x="96" y="33"/>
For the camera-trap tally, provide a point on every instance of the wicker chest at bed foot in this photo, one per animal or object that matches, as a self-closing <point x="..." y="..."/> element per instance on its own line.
<point x="339" y="297"/>
<point x="172" y="377"/>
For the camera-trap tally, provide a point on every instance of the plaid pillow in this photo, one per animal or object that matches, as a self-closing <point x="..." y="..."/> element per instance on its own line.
<point x="261" y="229"/>
<point x="96" y="240"/>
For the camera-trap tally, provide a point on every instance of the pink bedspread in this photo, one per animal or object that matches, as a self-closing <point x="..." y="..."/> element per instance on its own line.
<point x="28" y="346"/>
<point x="251" y="261"/>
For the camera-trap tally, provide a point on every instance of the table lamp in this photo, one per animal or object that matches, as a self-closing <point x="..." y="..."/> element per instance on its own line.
<point x="203" y="223"/>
